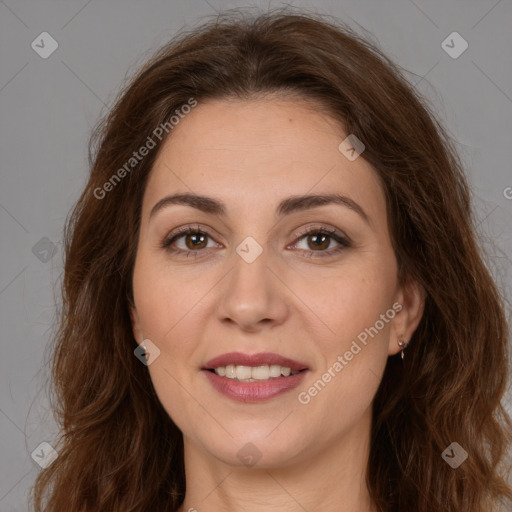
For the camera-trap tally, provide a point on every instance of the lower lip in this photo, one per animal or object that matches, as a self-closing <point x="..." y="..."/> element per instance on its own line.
<point x="254" y="391"/>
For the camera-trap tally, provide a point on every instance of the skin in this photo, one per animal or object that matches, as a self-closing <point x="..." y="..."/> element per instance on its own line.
<point x="251" y="154"/>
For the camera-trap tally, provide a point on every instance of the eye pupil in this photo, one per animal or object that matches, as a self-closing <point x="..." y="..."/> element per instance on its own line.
<point x="322" y="238"/>
<point x="195" y="236"/>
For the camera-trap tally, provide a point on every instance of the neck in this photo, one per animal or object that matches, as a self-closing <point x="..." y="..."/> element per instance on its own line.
<point x="331" y="480"/>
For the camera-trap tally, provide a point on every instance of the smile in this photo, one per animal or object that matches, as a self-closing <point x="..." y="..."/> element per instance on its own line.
<point x="254" y="373"/>
<point x="253" y="377"/>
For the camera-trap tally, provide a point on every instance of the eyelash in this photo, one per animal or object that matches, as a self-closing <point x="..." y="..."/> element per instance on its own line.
<point x="343" y="242"/>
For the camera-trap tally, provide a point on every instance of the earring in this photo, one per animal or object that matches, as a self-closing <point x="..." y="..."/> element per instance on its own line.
<point x="402" y="344"/>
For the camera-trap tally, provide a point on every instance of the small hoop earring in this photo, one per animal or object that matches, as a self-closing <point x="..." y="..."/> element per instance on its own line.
<point x="402" y="344"/>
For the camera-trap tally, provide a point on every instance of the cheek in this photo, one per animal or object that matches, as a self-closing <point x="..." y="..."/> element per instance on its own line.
<point x="165" y="297"/>
<point x="166" y="319"/>
<point x="349" y="300"/>
<point x="357" y="308"/>
<point x="344" y="384"/>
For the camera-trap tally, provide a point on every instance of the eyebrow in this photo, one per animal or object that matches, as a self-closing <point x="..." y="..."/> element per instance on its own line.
<point x="287" y="206"/>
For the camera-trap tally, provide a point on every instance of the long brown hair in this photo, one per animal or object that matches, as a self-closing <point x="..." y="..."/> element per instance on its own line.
<point x="118" y="448"/>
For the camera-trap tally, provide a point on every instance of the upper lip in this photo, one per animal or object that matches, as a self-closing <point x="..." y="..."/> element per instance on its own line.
<point x="263" y="358"/>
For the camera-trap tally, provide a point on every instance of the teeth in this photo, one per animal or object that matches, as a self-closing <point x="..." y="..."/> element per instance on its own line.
<point x="275" y="370"/>
<point x="260" y="372"/>
<point x="230" y="371"/>
<point x="254" y="373"/>
<point x="243" y="372"/>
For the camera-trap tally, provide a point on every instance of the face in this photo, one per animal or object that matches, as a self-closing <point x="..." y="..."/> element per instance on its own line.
<point x="259" y="281"/>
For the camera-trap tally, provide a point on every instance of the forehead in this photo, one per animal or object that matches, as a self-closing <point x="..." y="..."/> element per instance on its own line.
<point x="251" y="153"/>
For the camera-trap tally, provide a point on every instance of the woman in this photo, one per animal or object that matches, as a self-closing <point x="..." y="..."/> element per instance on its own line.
<point x="273" y="293"/>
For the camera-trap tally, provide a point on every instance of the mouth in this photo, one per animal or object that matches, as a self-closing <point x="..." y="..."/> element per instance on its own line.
<point x="252" y="378"/>
<point x="261" y="373"/>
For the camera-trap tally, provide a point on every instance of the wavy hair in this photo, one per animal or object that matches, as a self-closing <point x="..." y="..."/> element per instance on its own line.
<point x="118" y="448"/>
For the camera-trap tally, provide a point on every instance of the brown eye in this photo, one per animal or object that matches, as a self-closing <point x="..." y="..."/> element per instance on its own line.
<point x="186" y="241"/>
<point x="195" y="240"/>
<point x="318" y="240"/>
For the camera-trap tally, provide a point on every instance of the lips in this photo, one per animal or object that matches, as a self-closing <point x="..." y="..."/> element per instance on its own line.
<point x="254" y="391"/>
<point x="238" y="358"/>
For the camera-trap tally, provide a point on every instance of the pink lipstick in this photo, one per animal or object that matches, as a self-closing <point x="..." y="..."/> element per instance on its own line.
<point x="253" y="377"/>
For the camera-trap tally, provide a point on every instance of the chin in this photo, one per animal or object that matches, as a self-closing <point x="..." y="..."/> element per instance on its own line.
<point x="257" y="449"/>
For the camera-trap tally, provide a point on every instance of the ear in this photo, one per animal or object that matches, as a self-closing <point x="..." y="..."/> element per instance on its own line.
<point x="411" y="296"/>
<point x="136" y="326"/>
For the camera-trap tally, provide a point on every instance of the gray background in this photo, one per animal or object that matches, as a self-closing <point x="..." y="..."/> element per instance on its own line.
<point x="48" y="107"/>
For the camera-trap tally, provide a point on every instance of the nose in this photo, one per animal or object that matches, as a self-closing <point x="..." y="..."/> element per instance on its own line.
<point x="252" y="297"/>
